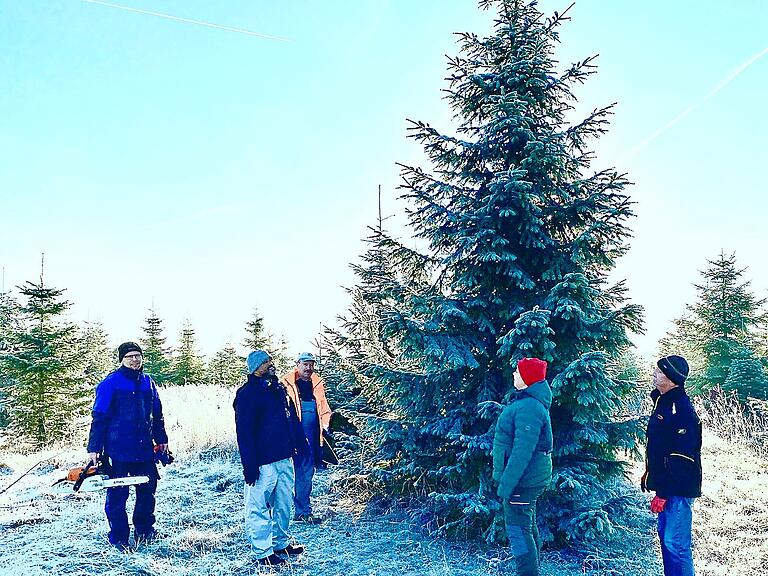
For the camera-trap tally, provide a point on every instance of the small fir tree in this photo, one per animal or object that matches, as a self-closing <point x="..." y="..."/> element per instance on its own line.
<point x="10" y="319"/>
<point x="47" y="388"/>
<point x="725" y="324"/>
<point x="520" y="238"/>
<point x="226" y="368"/>
<point x="746" y="377"/>
<point x="188" y="366"/>
<point x="258" y="338"/>
<point x="98" y="358"/>
<point x="157" y="356"/>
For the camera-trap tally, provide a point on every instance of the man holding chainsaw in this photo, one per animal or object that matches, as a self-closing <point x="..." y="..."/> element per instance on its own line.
<point x="127" y="433"/>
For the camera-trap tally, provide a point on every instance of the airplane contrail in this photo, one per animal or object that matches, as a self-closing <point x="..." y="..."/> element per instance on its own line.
<point x="188" y="20"/>
<point x="723" y="83"/>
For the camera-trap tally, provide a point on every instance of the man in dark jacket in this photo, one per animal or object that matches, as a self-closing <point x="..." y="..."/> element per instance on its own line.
<point x="522" y="461"/>
<point x="127" y="429"/>
<point x="673" y="463"/>
<point x="268" y="435"/>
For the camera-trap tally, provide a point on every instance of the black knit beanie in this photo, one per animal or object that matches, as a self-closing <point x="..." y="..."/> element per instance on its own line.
<point x="675" y="368"/>
<point x="127" y="347"/>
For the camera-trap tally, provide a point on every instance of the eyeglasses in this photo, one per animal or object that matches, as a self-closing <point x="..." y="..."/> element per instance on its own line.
<point x="132" y="356"/>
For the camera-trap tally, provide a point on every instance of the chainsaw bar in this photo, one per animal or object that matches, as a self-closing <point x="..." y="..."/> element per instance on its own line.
<point x="97" y="482"/>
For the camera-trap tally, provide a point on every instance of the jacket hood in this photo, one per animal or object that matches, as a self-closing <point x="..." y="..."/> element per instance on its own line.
<point x="540" y="391"/>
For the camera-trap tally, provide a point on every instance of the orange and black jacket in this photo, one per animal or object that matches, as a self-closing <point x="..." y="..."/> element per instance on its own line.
<point x="324" y="411"/>
<point x="673" y="454"/>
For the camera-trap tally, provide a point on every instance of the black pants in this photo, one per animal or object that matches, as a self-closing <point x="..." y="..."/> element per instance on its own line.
<point x="143" y="512"/>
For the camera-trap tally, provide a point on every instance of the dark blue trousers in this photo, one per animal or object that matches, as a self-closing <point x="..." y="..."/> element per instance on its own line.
<point x="143" y="511"/>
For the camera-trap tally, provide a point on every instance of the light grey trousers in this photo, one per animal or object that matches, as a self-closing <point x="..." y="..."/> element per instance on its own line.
<point x="268" y="508"/>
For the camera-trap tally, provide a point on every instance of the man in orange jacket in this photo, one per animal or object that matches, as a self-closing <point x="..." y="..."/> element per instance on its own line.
<point x="307" y="392"/>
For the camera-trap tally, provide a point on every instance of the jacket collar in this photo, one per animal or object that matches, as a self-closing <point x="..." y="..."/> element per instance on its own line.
<point x="130" y="373"/>
<point x="540" y="391"/>
<point x="671" y="396"/>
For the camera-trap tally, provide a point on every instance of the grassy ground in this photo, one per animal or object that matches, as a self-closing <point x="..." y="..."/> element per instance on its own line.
<point x="200" y="514"/>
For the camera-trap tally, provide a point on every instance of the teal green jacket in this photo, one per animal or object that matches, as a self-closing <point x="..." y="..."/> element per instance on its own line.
<point x="522" y="444"/>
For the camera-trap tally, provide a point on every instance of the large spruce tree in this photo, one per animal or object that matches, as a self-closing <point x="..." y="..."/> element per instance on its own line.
<point x="517" y="237"/>
<point x="46" y="388"/>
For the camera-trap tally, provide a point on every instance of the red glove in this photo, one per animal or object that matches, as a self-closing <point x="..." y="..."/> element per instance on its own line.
<point x="657" y="504"/>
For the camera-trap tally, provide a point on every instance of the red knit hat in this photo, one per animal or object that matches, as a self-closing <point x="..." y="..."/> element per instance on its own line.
<point x="532" y="370"/>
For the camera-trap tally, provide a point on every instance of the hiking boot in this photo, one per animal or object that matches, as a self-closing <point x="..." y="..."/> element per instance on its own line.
<point x="271" y="560"/>
<point x="291" y="550"/>
<point x="307" y="519"/>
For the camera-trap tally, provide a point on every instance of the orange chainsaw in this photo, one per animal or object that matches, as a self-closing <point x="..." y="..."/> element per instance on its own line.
<point x="90" y="478"/>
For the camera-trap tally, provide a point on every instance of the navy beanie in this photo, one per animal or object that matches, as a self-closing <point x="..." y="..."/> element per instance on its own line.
<point x="256" y="359"/>
<point x="675" y="368"/>
<point x="127" y="347"/>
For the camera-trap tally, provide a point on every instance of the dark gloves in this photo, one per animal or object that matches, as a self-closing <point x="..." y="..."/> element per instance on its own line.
<point x="328" y="435"/>
<point x="163" y="457"/>
<point x="251" y="476"/>
<point x="657" y="504"/>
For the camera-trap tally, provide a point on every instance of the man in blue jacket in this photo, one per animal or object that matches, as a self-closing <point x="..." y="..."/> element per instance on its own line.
<point x="127" y="424"/>
<point x="268" y="435"/>
<point x="673" y="463"/>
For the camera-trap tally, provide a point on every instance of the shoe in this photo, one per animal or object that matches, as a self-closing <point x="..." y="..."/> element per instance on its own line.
<point x="291" y="550"/>
<point x="307" y="518"/>
<point x="271" y="560"/>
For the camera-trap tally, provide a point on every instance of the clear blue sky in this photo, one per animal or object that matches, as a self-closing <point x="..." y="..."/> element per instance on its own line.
<point x="210" y="171"/>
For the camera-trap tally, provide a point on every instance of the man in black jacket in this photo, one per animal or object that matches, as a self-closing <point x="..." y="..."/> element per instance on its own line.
<point x="673" y="463"/>
<point x="268" y="435"/>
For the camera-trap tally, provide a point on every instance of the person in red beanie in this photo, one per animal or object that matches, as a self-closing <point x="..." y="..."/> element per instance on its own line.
<point x="522" y="460"/>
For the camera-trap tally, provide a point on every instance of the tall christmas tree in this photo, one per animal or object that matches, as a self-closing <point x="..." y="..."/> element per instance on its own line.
<point x="46" y="388"/>
<point x="188" y="366"/>
<point x="157" y="356"/>
<point x="520" y="236"/>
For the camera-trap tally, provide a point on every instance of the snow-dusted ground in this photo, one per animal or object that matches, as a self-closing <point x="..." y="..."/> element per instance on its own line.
<point x="200" y="514"/>
<point x="200" y="509"/>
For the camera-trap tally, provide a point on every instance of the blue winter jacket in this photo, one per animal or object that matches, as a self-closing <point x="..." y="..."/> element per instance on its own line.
<point x="268" y="429"/>
<point x="127" y="418"/>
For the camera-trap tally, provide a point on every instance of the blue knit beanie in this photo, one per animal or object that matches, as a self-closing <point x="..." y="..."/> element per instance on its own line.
<point x="256" y="359"/>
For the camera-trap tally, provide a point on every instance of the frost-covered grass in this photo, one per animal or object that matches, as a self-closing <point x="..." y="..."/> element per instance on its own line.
<point x="200" y="515"/>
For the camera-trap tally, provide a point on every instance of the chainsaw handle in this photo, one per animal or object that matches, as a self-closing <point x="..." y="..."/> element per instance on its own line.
<point x="83" y="475"/>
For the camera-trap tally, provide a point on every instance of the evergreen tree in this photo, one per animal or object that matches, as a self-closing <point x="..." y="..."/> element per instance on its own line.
<point x="47" y="388"/>
<point x="188" y="366"/>
<point x="157" y="356"/>
<point x="258" y="338"/>
<point x="97" y="357"/>
<point x="226" y="368"/>
<point x="520" y="238"/>
<point x="746" y="377"/>
<point x="724" y="325"/>
<point x="10" y="313"/>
